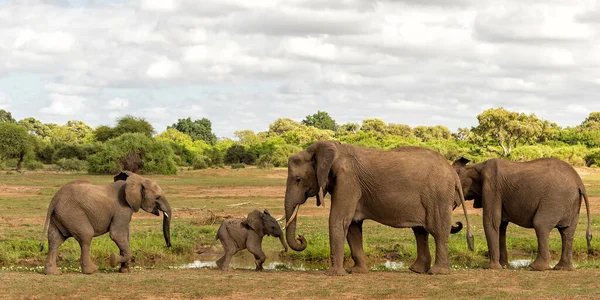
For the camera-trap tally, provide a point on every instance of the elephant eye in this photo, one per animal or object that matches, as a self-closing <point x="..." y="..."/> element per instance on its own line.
<point x="298" y="180"/>
<point x="157" y="197"/>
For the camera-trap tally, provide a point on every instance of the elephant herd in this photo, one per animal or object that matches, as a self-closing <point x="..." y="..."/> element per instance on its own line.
<point x="405" y="187"/>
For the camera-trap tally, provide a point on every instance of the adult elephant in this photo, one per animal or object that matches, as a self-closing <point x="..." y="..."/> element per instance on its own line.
<point x="542" y="194"/>
<point x="410" y="187"/>
<point x="84" y="210"/>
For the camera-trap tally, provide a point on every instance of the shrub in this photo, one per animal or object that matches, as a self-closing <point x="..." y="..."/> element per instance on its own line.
<point x="71" y="164"/>
<point x="133" y="151"/>
<point x="33" y="165"/>
<point x="200" y="162"/>
<point x="238" y="166"/>
<point x="239" y="154"/>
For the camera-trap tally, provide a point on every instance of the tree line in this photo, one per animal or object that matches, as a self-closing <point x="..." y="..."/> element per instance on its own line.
<point x="133" y="144"/>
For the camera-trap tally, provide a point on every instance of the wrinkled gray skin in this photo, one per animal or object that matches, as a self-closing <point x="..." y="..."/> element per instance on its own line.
<point x="542" y="194"/>
<point x="409" y="187"/>
<point x="239" y="234"/>
<point x="84" y="210"/>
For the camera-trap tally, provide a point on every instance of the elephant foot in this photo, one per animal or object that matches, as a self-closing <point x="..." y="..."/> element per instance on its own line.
<point x="124" y="270"/>
<point x="493" y="266"/>
<point x="439" y="270"/>
<point x="259" y="268"/>
<point x="359" y="269"/>
<point x="419" y="268"/>
<point x="539" y="265"/>
<point x="224" y="268"/>
<point x="336" y="272"/>
<point x="51" y="271"/>
<point x="113" y="260"/>
<point x="564" y="267"/>
<point x="89" y="269"/>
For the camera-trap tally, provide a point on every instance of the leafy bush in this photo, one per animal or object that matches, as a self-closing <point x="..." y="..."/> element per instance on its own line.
<point x="593" y="158"/>
<point x="238" y="166"/>
<point x="200" y="162"/>
<point x="215" y="156"/>
<point x="239" y="154"/>
<point x="33" y="164"/>
<point x="152" y="156"/>
<point x="279" y="158"/>
<point x="71" y="164"/>
<point x="67" y="150"/>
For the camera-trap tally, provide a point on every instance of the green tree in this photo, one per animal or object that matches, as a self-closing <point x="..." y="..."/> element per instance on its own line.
<point x="247" y="137"/>
<point x="239" y="154"/>
<point x="104" y="133"/>
<point x="346" y="129"/>
<point x="15" y="142"/>
<point x="131" y="124"/>
<point x="401" y="130"/>
<point x="197" y="129"/>
<point x="429" y="133"/>
<point x="35" y="127"/>
<point x="592" y="122"/>
<point x="282" y="125"/>
<point x="6" y="117"/>
<point x="374" y="125"/>
<point x="506" y="129"/>
<point x="321" y="120"/>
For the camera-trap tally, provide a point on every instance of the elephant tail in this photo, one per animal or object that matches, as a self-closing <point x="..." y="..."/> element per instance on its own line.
<point x="46" y="222"/>
<point x="461" y="197"/>
<point x="588" y="232"/>
<point x="213" y="243"/>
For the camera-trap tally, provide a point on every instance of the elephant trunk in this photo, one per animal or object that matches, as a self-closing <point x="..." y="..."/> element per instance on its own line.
<point x="167" y="222"/>
<point x="291" y="209"/>
<point x="283" y="243"/>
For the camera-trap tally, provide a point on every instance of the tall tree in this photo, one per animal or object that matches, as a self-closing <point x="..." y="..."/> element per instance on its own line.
<point x="15" y="142"/>
<point x="592" y="122"/>
<point x="374" y="125"/>
<point x="131" y="124"/>
<point x="197" y="129"/>
<point x="282" y="125"/>
<point x="507" y="129"/>
<point x="6" y="117"/>
<point x="321" y="120"/>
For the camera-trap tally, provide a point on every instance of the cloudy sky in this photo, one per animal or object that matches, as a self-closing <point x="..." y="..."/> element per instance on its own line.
<point x="243" y="63"/>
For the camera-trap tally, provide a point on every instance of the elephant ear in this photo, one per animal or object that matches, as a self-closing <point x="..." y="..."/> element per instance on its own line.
<point x="121" y="176"/>
<point x="134" y="190"/>
<point x="255" y="222"/>
<point x="460" y="162"/>
<point x="324" y="153"/>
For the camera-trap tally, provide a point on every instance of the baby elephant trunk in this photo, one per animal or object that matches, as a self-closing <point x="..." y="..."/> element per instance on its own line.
<point x="283" y="243"/>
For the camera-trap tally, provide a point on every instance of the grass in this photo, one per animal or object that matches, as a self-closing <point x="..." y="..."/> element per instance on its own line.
<point x="201" y="199"/>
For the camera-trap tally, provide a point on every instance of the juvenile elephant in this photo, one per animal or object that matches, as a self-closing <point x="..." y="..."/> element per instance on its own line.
<point x="238" y="234"/>
<point x="84" y="210"/>
<point x="541" y="194"/>
<point x="409" y="187"/>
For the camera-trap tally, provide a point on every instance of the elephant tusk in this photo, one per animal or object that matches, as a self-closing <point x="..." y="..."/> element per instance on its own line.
<point x="166" y="214"/>
<point x="293" y="217"/>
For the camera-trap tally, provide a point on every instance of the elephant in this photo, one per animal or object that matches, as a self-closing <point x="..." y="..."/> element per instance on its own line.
<point x="84" y="210"/>
<point x="409" y="187"/>
<point x="238" y="234"/>
<point x="542" y="194"/>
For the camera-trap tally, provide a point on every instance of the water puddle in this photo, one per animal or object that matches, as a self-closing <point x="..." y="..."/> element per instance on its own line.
<point x="245" y="260"/>
<point x="519" y="263"/>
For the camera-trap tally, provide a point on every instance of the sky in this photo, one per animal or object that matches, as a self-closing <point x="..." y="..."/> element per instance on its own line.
<point x="243" y="64"/>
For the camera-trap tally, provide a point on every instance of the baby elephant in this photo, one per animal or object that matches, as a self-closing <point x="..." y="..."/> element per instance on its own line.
<point x="239" y="234"/>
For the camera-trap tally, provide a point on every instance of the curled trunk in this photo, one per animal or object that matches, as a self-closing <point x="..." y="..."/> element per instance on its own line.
<point x="298" y="244"/>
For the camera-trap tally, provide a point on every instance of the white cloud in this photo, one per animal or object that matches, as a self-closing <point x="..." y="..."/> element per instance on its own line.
<point x="244" y="63"/>
<point x="64" y="105"/>
<point x="4" y="100"/>
<point x="118" y="104"/>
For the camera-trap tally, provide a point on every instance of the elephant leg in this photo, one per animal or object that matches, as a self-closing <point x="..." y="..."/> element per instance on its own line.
<point x="492" y="236"/>
<point x="355" y="242"/>
<point x="503" y="251"/>
<point x="121" y="238"/>
<point x="442" y="264"/>
<point x="423" y="262"/>
<point x="566" y="257"/>
<point x="230" y="249"/>
<point x="340" y="217"/>
<point x="85" y="241"/>
<point x="542" y="261"/>
<point x="259" y="256"/>
<point x="55" y="239"/>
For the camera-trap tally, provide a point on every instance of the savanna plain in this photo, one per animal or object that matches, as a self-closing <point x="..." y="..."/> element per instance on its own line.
<point x="201" y="199"/>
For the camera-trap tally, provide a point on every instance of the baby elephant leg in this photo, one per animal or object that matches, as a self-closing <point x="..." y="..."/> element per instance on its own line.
<point x="255" y="247"/>
<point x="230" y="249"/>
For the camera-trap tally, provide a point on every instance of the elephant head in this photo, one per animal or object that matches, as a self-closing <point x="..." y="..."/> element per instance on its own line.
<point x="308" y="172"/>
<point x="144" y="193"/>
<point x="470" y="180"/>
<point x="264" y="224"/>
